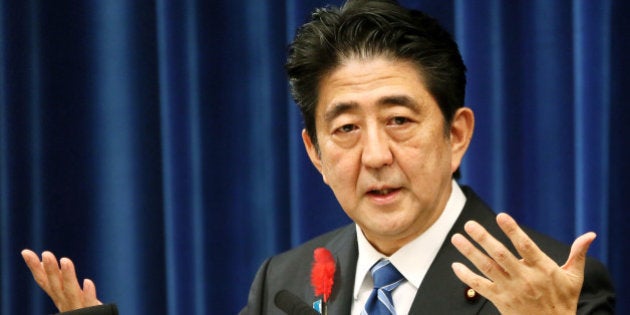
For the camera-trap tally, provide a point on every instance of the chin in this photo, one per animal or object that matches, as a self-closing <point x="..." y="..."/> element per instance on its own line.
<point x="390" y="229"/>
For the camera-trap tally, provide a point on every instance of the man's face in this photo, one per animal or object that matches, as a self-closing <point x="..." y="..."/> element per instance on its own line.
<point x="383" y="149"/>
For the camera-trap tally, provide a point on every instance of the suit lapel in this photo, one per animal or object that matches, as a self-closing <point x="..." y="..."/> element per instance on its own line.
<point x="441" y="292"/>
<point x="344" y="248"/>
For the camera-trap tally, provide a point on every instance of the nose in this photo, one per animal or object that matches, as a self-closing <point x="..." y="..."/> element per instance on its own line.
<point x="376" y="150"/>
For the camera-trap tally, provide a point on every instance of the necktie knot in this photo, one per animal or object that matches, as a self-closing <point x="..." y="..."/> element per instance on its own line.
<point x="385" y="275"/>
<point x="386" y="278"/>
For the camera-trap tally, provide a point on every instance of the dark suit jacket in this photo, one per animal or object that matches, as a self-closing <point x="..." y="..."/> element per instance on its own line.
<point x="108" y="309"/>
<point x="441" y="292"/>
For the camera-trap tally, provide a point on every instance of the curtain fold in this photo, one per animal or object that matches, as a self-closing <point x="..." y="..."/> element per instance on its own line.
<point x="156" y="144"/>
<point x="592" y="115"/>
<point x="181" y="156"/>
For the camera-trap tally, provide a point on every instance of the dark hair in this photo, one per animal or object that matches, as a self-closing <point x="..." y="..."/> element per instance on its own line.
<point x="366" y="29"/>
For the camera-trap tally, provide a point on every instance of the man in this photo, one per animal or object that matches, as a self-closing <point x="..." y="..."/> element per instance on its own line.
<point x="381" y="90"/>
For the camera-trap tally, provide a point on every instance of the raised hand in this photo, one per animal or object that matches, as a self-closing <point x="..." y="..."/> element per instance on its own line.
<point x="531" y="284"/>
<point x="59" y="281"/>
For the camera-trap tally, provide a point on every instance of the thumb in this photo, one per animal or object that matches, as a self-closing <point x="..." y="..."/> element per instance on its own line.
<point x="577" y="257"/>
<point x="89" y="293"/>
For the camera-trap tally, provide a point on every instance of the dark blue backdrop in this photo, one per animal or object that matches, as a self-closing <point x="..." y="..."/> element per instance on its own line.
<point x="154" y="142"/>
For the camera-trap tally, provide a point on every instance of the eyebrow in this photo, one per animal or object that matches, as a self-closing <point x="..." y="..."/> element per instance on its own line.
<point x="385" y="101"/>
<point x="339" y="109"/>
<point x="400" y="100"/>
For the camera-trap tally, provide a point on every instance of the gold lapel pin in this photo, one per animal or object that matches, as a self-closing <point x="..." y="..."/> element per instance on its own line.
<point x="471" y="295"/>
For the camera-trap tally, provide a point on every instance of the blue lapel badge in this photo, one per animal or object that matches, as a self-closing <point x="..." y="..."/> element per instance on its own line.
<point x="317" y="305"/>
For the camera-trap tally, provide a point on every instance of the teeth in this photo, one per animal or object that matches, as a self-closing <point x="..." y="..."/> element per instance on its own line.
<point x="383" y="191"/>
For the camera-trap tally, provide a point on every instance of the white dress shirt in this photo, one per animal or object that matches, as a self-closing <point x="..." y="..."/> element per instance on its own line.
<point x="412" y="260"/>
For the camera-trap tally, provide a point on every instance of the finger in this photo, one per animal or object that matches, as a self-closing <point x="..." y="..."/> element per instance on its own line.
<point x="485" y="264"/>
<point x="36" y="267"/>
<point x="53" y="275"/>
<point x="89" y="293"/>
<point x="473" y="280"/>
<point x="528" y="250"/>
<point x="577" y="257"/>
<point x="31" y="259"/>
<point x="71" y="289"/>
<point x="497" y="251"/>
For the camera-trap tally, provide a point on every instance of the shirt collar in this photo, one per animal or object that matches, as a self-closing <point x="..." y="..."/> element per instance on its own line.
<point x="411" y="265"/>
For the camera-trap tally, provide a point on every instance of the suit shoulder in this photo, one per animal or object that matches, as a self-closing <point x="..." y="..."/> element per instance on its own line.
<point x="341" y="234"/>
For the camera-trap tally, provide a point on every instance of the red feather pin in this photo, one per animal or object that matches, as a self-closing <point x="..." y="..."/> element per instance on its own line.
<point x="322" y="274"/>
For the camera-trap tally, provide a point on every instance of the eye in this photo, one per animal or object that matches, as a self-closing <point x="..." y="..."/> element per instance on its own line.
<point x="399" y="120"/>
<point x="347" y="128"/>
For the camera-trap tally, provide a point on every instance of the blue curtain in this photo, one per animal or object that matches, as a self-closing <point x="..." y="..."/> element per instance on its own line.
<point x="155" y="143"/>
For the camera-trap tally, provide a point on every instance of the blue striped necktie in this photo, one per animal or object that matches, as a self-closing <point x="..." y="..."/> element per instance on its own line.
<point x="386" y="279"/>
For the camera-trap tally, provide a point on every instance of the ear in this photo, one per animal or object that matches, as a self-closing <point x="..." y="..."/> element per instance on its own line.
<point x="461" y="134"/>
<point x="312" y="152"/>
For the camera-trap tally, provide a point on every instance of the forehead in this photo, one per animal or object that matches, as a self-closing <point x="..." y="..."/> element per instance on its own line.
<point x="363" y="82"/>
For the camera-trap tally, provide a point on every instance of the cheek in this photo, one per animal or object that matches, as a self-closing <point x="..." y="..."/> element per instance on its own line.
<point x="340" y="170"/>
<point x="425" y="157"/>
<point x="336" y="173"/>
